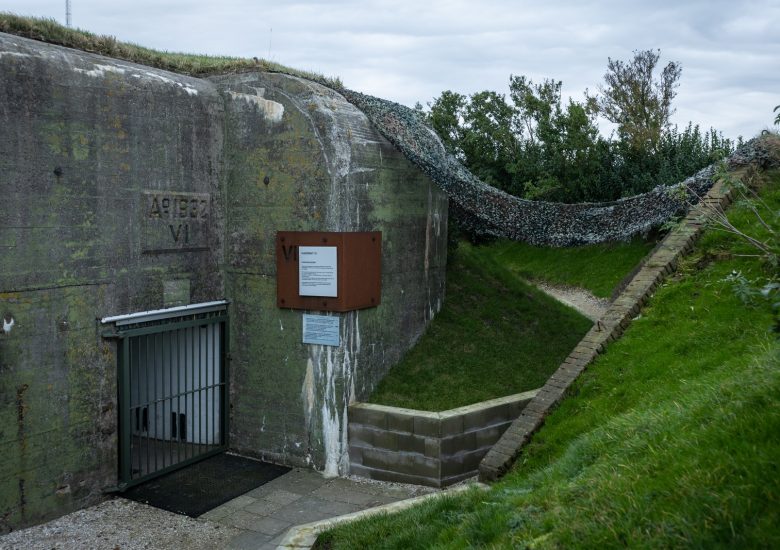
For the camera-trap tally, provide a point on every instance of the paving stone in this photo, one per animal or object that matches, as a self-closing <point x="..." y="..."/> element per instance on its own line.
<point x="253" y="522"/>
<point x="249" y="540"/>
<point x="239" y="502"/>
<point x="302" y="485"/>
<point x="339" y="494"/>
<point x="217" y="513"/>
<point x="264" y="507"/>
<point x="343" y="484"/>
<point x="266" y="513"/>
<point x="280" y="496"/>
<point x="271" y="526"/>
<point x="310" y="509"/>
<point x="395" y="492"/>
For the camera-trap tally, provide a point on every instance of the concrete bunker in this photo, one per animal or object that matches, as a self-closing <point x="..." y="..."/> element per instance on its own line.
<point x="128" y="189"/>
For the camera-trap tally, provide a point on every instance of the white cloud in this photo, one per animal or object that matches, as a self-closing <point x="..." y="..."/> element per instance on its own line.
<point x="410" y="51"/>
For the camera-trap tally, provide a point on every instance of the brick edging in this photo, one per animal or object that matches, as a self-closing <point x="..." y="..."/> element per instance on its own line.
<point x="656" y="267"/>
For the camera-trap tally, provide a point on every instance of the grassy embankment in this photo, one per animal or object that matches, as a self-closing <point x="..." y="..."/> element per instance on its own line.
<point x="670" y="439"/>
<point x="598" y="268"/>
<point x="496" y="334"/>
<point x="48" y="30"/>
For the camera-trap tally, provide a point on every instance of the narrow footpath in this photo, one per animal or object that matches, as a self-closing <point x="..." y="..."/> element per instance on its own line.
<point x="580" y="299"/>
<point x="255" y="520"/>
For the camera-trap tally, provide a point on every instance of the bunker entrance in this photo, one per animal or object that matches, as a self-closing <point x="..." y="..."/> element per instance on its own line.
<point x="172" y="385"/>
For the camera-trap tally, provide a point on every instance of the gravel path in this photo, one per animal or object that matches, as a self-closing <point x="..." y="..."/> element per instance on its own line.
<point x="580" y="299"/>
<point x="121" y="524"/>
<point x="256" y="520"/>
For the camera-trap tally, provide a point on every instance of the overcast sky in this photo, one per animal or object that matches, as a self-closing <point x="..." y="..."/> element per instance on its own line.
<point x="410" y="51"/>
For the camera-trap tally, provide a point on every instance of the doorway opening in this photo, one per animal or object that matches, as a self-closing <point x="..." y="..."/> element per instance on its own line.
<point x="172" y="386"/>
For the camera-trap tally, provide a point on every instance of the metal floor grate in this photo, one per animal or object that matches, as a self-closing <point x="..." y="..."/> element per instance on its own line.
<point x="200" y="487"/>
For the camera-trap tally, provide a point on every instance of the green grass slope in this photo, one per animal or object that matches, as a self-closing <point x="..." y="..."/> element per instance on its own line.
<point x="494" y="336"/>
<point x="670" y="439"/>
<point x="598" y="268"/>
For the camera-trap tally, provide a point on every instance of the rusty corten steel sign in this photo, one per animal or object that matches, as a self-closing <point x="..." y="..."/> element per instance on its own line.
<point x="358" y="270"/>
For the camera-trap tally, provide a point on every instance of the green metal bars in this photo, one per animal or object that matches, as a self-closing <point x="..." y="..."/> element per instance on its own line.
<point x="173" y="396"/>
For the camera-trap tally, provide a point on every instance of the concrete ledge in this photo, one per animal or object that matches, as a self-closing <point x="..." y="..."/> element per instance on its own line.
<point x="304" y="536"/>
<point x="656" y="267"/>
<point x="427" y="448"/>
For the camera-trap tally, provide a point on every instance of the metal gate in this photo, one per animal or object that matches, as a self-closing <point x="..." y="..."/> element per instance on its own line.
<point x="173" y="399"/>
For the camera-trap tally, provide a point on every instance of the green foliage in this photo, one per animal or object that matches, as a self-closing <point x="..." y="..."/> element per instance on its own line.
<point x="668" y="440"/>
<point x="636" y="101"/>
<point x="446" y="118"/>
<point x="744" y="289"/>
<point x="534" y="145"/>
<point x="563" y="141"/>
<point x="494" y="336"/>
<point x="489" y="145"/>
<point x="761" y="239"/>
<point x="677" y="155"/>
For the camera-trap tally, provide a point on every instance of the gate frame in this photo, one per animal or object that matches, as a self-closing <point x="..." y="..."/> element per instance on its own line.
<point x="154" y="322"/>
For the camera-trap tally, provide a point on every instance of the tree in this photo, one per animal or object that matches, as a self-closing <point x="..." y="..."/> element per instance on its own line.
<point x="636" y="101"/>
<point x="446" y="119"/>
<point x="477" y="130"/>
<point x="534" y="144"/>
<point x="488" y="142"/>
<point x="561" y="150"/>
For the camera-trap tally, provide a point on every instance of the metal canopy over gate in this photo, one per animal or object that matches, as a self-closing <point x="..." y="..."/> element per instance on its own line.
<point x="172" y="386"/>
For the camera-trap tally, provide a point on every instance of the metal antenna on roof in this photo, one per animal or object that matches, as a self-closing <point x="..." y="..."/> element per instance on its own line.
<point x="67" y="13"/>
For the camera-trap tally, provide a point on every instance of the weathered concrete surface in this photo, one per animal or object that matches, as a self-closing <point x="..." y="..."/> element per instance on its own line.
<point x="327" y="170"/>
<point x="90" y="148"/>
<point x="83" y="137"/>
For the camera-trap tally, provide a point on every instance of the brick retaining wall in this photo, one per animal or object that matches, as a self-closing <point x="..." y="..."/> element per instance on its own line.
<point x="427" y="448"/>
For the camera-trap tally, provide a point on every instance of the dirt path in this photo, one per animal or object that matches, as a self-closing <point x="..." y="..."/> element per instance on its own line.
<point x="580" y="299"/>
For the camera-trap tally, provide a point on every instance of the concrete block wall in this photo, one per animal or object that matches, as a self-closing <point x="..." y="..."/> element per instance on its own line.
<point x="427" y="448"/>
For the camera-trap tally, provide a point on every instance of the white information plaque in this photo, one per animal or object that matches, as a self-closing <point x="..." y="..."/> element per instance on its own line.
<point x="321" y="329"/>
<point x="317" y="271"/>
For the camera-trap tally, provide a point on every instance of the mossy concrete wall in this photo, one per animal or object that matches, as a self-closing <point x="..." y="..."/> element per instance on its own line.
<point x="88" y="145"/>
<point x="326" y="169"/>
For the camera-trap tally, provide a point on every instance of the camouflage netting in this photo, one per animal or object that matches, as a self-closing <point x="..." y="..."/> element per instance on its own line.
<point x="489" y="211"/>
